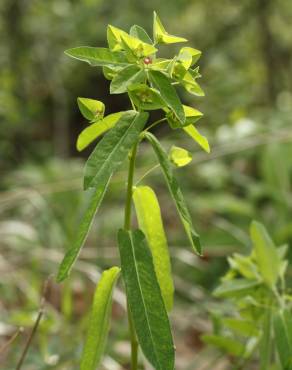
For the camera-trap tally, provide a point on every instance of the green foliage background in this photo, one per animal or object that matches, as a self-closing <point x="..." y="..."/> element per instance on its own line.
<point x="246" y="68"/>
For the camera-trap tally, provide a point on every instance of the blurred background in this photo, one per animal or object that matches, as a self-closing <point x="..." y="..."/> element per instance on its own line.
<point x="247" y="76"/>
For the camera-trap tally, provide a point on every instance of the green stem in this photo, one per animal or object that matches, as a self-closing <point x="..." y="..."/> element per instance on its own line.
<point x="155" y="123"/>
<point x="127" y="226"/>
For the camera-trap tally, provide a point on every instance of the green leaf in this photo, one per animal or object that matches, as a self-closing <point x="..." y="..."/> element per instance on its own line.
<point x="226" y="344"/>
<point x="113" y="148"/>
<point x="141" y="34"/>
<point x="190" y="84"/>
<point x="145" y="300"/>
<point x="188" y="56"/>
<point x="241" y="327"/>
<point x="283" y="337"/>
<point x="244" y="266"/>
<point x="235" y="288"/>
<point x="179" y="157"/>
<point x="150" y="222"/>
<point x="145" y="97"/>
<point x="266" y="253"/>
<point x="192" y="116"/>
<point x="168" y="93"/>
<point x="110" y="72"/>
<point x="200" y="139"/>
<point x="99" y="323"/>
<point x="84" y="227"/>
<point x="126" y="77"/>
<point x="90" y="133"/>
<point x="91" y="109"/>
<point x="97" y="56"/>
<point x="117" y="39"/>
<point x="160" y="35"/>
<point x="175" y="192"/>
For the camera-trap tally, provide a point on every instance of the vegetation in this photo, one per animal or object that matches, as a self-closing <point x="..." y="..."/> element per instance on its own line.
<point x="246" y="76"/>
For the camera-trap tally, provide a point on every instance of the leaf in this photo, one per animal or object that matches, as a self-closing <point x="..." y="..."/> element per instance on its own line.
<point x="145" y="97"/>
<point x="145" y="300"/>
<point x="110" y="72"/>
<point x="140" y="33"/>
<point x="150" y="222"/>
<point x="97" y="56"/>
<point x="266" y="253"/>
<point x="91" y="109"/>
<point x="160" y="35"/>
<point x="113" y="148"/>
<point x="179" y="156"/>
<point x="175" y="192"/>
<point x="200" y="139"/>
<point x="188" y="56"/>
<point x="168" y="93"/>
<point x="126" y="77"/>
<point x="283" y="337"/>
<point x="235" y="287"/>
<point x="241" y="327"/>
<point x="117" y="39"/>
<point x="192" y="116"/>
<point x="83" y="230"/>
<point x="229" y="345"/>
<point x="190" y="84"/>
<point x="244" y="266"/>
<point x="99" y="323"/>
<point x="92" y="132"/>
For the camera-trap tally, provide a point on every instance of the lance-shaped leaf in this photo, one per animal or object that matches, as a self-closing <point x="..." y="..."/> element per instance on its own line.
<point x="84" y="227"/>
<point x="145" y="300"/>
<point x="199" y="138"/>
<point x="160" y="35"/>
<point x="266" y="253"/>
<point x="168" y="93"/>
<point x="92" y="132"/>
<point x="283" y="337"/>
<point x="99" y="323"/>
<point x="190" y="84"/>
<point x="175" y="192"/>
<point x="91" y="109"/>
<point x="179" y="156"/>
<point x="126" y="77"/>
<point x="141" y="34"/>
<point x="113" y="148"/>
<point x="150" y="222"/>
<point x="97" y="56"/>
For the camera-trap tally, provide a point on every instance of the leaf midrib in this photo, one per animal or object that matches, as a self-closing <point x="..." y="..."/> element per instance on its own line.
<point x="143" y="301"/>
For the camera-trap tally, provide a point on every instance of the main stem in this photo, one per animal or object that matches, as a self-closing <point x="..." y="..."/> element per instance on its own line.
<point x="127" y="226"/>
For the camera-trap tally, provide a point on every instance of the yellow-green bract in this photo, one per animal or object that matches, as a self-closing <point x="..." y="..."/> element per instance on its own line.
<point x="150" y="222"/>
<point x="99" y="320"/>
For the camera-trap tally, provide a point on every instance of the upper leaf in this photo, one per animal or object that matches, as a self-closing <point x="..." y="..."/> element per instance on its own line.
<point x="175" y="192"/>
<point x="200" y="139"/>
<point x="99" y="323"/>
<point x="84" y="227"/>
<point x="92" y="132"/>
<point x="168" y="93"/>
<point x="141" y="34"/>
<point x="110" y="152"/>
<point x="188" y="56"/>
<point x="192" y="115"/>
<point x="126" y="77"/>
<point x="160" y="35"/>
<point x="91" y="109"/>
<point x="150" y="222"/>
<point x="145" y="300"/>
<point x="97" y="56"/>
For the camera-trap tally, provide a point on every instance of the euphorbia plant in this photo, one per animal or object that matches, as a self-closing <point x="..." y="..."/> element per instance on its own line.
<point x="132" y="65"/>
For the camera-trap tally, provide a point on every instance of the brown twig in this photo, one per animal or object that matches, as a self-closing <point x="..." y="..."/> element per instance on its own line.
<point x="11" y="340"/>
<point x="36" y="325"/>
